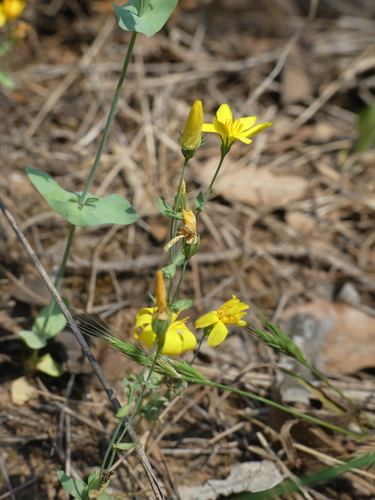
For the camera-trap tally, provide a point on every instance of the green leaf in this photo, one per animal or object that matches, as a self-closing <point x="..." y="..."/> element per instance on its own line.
<point x="32" y="339"/>
<point x="48" y="365"/>
<point x="166" y="210"/>
<point x="113" y="209"/>
<point x="366" y="129"/>
<point x="182" y="305"/>
<point x="74" y="487"/>
<point x="55" y="324"/>
<point x="131" y="18"/>
<point x="199" y="202"/>
<point x="123" y="411"/>
<point x="169" y="272"/>
<point x="125" y="446"/>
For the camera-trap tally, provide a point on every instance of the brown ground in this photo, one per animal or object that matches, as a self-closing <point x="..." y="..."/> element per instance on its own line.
<point x="295" y="224"/>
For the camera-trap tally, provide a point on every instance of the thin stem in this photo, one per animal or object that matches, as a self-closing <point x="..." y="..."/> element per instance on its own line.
<point x="180" y="280"/>
<point x="272" y="403"/>
<point x="111" y="115"/>
<point x="212" y="182"/>
<point x="198" y="349"/>
<point x="127" y="422"/>
<point x="61" y="273"/>
<point x="174" y="222"/>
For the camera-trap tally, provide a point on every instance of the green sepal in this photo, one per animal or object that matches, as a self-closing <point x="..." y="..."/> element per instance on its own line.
<point x="152" y="297"/>
<point x="144" y="16"/>
<point x="112" y="209"/>
<point x="189" y="250"/>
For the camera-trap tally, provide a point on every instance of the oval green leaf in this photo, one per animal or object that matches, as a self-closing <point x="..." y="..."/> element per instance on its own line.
<point x="32" y="339"/>
<point x="56" y="322"/>
<point x="153" y="19"/>
<point x="113" y="209"/>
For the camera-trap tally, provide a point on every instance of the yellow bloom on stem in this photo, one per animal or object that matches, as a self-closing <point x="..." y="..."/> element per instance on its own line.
<point x="192" y="136"/>
<point x="231" y="130"/>
<point x="229" y="313"/>
<point x="10" y="10"/>
<point x="188" y="230"/>
<point x="177" y="339"/>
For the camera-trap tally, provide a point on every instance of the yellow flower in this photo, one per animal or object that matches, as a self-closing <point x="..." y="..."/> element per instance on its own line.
<point x="177" y="339"/>
<point x="188" y="230"/>
<point x="192" y="136"/>
<point x="3" y="19"/>
<point x="229" y="313"/>
<point x="234" y="130"/>
<point x="10" y="10"/>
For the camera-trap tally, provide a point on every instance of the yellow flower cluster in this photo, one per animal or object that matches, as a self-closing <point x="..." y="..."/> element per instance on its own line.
<point x="10" y="10"/>
<point x="230" y="130"/>
<point x="178" y="338"/>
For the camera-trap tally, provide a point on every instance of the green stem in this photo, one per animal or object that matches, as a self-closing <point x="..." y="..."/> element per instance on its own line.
<point x="130" y="419"/>
<point x="61" y="273"/>
<point x="180" y="280"/>
<point x="223" y="154"/>
<point x="111" y="115"/>
<point x="275" y="405"/>
<point x="198" y="349"/>
<point x="175" y="222"/>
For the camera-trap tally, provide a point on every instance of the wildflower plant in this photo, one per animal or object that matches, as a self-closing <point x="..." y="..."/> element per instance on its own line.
<point x="162" y="327"/>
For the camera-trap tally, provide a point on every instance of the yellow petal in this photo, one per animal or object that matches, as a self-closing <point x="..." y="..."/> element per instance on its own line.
<point x="189" y="341"/>
<point x="242" y="139"/>
<point x="217" y="335"/>
<point x="208" y="127"/>
<point x="172" y="344"/>
<point x="3" y="20"/>
<point x="221" y="128"/>
<point x="258" y="128"/>
<point x="147" y="336"/>
<point x="246" y="122"/>
<point x="172" y="242"/>
<point x="224" y="113"/>
<point x="208" y="319"/>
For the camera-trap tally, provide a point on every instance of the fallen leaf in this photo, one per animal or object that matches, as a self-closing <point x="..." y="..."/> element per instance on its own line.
<point x="248" y="476"/>
<point x="347" y="341"/>
<point x="21" y="391"/>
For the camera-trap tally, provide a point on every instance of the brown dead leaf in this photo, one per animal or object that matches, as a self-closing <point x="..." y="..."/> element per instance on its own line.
<point x="349" y="344"/>
<point x="260" y="188"/>
<point x="21" y="391"/>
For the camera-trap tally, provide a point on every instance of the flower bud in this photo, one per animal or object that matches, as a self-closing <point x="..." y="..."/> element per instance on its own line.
<point x="161" y="319"/>
<point x="11" y="9"/>
<point x="192" y="137"/>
